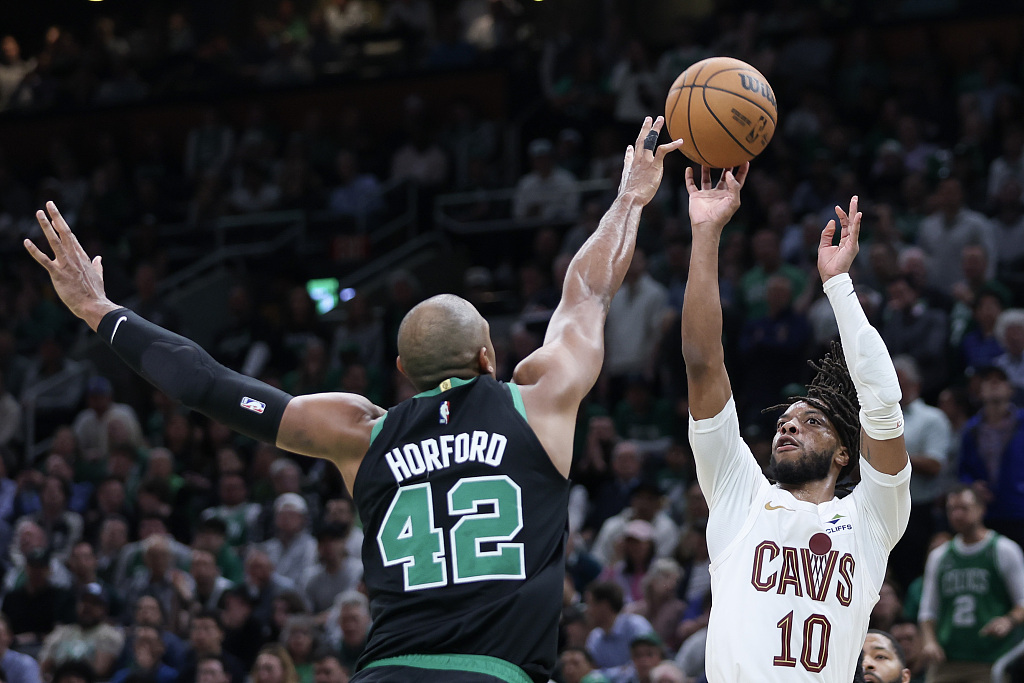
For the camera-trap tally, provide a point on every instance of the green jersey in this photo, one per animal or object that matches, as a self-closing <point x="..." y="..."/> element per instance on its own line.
<point x="971" y="593"/>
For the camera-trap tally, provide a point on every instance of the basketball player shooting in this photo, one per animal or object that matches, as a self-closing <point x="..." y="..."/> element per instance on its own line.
<point x="795" y="570"/>
<point x="462" y="489"/>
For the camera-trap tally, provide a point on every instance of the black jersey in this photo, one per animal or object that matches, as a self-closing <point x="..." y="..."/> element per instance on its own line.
<point x="464" y="518"/>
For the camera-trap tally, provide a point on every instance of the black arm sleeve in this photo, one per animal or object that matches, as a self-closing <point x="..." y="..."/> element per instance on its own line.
<point x="181" y="369"/>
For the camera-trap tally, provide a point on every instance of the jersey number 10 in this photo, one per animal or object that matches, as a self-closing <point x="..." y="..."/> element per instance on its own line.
<point x="813" y="661"/>
<point x="409" y="537"/>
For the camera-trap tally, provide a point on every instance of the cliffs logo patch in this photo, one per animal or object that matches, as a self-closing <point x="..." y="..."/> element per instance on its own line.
<point x="252" y="404"/>
<point x="445" y="412"/>
<point x="837" y="525"/>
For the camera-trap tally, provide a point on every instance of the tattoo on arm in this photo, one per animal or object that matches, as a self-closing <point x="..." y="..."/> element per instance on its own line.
<point x="865" y="450"/>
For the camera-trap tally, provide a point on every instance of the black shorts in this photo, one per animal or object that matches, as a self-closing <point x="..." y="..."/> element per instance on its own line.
<point x="441" y="669"/>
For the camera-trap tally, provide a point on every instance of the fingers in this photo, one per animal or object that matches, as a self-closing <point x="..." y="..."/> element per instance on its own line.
<point x="827" y="234"/>
<point x="41" y="258"/>
<point x="67" y="237"/>
<point x="644" y="130"/>
<point x="705" y="178"/>
<point x="741" y="175"/>
<point x="50" y="234"/>
<point x="691" y="187"/>
<point x="668" y="147"/>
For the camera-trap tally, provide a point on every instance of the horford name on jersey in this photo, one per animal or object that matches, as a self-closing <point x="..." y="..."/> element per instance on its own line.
<point x="413" y="459"/>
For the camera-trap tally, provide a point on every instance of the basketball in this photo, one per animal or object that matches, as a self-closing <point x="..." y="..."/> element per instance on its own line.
<point x="723" y="109"/>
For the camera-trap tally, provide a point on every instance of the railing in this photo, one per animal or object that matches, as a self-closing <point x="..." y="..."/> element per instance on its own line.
<point x="448" y="207"/>
<point x="28" y="405"/>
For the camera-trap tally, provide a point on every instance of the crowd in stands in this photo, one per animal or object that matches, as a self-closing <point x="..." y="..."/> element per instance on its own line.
<point x="150" y="544"/>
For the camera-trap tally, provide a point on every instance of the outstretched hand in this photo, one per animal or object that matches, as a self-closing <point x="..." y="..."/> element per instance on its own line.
<point x="77" y="278"/>
<point x="714" y="205"/>
<point x="642" y="168"/>
<point x="833" y="260"/>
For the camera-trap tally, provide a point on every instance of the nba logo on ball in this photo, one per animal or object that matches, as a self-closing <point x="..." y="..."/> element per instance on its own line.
<point x="724" y="110"/>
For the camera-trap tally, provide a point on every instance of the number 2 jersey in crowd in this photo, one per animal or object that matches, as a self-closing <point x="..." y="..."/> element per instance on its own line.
<point x="464" y="520"/>
<point x="792" y="582"/>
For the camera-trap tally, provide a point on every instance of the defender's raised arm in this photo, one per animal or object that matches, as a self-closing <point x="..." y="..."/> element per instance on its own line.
<point x="558" y="375"/>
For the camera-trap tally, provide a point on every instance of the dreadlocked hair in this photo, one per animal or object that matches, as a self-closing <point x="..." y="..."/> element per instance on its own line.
<point x="833" y="393"/>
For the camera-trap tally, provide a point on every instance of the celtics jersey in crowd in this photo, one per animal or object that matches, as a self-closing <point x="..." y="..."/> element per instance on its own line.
<point x="464" y="520"/>
<point x="971" y="593"/>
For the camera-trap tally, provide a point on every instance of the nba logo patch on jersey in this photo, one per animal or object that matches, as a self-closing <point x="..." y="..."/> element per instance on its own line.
<point x="445" y="411"/>
<point x="252" y="404"/>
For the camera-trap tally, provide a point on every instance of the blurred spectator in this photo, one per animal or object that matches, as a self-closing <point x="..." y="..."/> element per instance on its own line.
<point x="908" y="635"/>
<point x="244" y="343"/>
<point x="632" y="563"/>
<point x="17" y="666"/>
<point x="336" y="572"/>
<point x="1010" y="334"/>
<point x="299" y="638"/>
<point x="12" y="70"/>
<point x="887" y="610"/>
<point x="206" y="639"/>
<point x="646" y="651"/>
<point x="54" y="385"/>
<point x="421" y="160"/>
<point x="659" y="605"/>
<point x="133" y="560"/>
<point x="91" y="424"/>
<point x="1008" y="225"/>
<point x="634" y="326"/>
<point x="578" y="666"/>
<point x="667" y="672"/>
<point x="547" y="192"/>
<point x="109" y="500"/>
<point x="354" y="620"/>
<point x="643" y="417"/>
<point x="263" y="583"/>
<point x="62" y="526"/>
<point x="147" y="659"/>
<point x="357" y="194"/>
<point x="149" y="613"/>
<point x="968" y="624"/>
<point x="82" y="565"/>
<point x="151" y="305"/>
<point x="292" y="550"/>
<point x="342" y="512"/>
<point x="768" y="261"/>
<point x="929" y="437"/>
<point x="273" y="665"/>
<point x="613" y="630"/>
<point x="613" y="496"/>
<point x="254" y="192"/>
<point x="210" y="585"/>
<point x="773" y="348"/>
<point x="244" y="634"/>
<point x="992" y="454"/>
<point x="239" y="515"/>
<point x="945" y="232"/>
<point x="634" y="84"/>
<point x="159" y="578"/>
<point x="113" y="537"/>
<point x="327" y="669"/>
<point x="36" y="606"/>
<point x="980" y="346"/>
<point x="89" y="638"/>
<point x="1008" y="167"/>
<point x="29" y="539"/>
<point x="646" y="504"/>
<point x="910" y="326"/>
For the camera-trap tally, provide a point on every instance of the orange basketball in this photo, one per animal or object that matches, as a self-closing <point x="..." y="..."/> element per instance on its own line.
<point x="723" y="109"/>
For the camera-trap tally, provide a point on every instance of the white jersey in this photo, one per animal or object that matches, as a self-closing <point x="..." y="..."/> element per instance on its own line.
<point x="792" y="582"/>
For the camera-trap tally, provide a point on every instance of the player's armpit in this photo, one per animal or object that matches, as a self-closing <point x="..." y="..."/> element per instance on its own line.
<point x="333" y="426"/>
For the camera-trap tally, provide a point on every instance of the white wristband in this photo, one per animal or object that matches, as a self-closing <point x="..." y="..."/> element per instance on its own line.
<point x="868" y="361"/>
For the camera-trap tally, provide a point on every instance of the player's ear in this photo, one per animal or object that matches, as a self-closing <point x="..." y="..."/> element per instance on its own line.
<point x="398" y="364"/>
<point x="842" y="457"/>
<point x="484" y="362"/>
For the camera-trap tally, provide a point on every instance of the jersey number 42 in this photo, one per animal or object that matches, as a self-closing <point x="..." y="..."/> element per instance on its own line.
<point x="409" y="536"/>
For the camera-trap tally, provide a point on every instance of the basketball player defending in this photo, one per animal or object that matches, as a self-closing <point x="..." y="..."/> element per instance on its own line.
<point x="795" y="570"/>
<point x="462" y="489"/>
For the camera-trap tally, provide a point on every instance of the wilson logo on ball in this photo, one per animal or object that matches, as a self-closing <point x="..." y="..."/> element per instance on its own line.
<point x="753" y="85"/>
